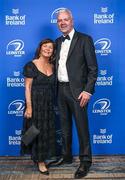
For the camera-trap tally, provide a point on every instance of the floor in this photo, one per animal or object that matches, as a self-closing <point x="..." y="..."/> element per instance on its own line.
<point x="22" y="168"/>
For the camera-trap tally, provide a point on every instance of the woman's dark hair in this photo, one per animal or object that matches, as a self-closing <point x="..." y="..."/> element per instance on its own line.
<point x="45" y="41"/>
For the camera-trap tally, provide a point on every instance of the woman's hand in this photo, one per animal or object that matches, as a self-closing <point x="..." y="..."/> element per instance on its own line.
<point x="28" y="85"/>
<point x="28" y="112"/>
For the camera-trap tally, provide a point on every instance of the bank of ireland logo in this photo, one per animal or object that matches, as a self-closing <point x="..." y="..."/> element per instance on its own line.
<point x="16" y="107"/>
<point x="15" y="11"/>
<point x="18" y="132"/>
<point x="104" y="17"/>
<point x="54" y="14"/>
<point x="102" y="137"/>
<point x="14" y="140"/>
<point x="103" y="72"/>
<point x="15" y="48"/>
<point x="104" y="9"/>
<point x="102" y="46"/>
<point x="102" y="106"/>
<point x="104" y="79"/>
<point x="16" y="80"/>
<point x="15" y="19"/>
<point x="16" y="73"/>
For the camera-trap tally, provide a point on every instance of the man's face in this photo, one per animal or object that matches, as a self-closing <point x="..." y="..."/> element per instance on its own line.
<point x="65" y="22"/>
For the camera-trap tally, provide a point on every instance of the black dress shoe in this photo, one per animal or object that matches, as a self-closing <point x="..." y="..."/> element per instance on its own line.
<point x="62" y="161"/>
<point x="82" y="171"/>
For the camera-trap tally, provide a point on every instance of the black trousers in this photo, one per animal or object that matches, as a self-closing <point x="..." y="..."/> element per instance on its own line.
<point x="68" y="106"/>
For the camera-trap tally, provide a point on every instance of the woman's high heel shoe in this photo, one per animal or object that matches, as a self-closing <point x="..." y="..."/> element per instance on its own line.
<point x="43" y="172"/>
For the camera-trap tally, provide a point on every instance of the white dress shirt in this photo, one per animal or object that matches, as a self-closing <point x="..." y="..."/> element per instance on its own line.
<point x="62" y="70"/>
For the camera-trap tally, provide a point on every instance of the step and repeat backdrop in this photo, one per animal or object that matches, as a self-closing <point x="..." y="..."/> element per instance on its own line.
<point x="22" y="26"/>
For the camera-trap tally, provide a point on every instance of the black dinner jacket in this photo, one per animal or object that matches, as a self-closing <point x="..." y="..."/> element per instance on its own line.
<point x="81" y="63"/>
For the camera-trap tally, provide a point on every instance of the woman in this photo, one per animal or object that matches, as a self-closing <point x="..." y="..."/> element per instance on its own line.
<point x="39" y="95"/>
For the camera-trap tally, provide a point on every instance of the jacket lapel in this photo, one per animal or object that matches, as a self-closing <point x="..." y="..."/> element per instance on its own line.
<point x="58" y="51"/>
<point x="73" y="43"/>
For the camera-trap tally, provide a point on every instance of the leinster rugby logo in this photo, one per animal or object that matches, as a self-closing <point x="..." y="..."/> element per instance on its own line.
<point x="16" y="108"/>
<point x="15" y="48"/>
<point x="102" y="106"/>
<point x="103" y="46"/>
<point x="54" y="15"/>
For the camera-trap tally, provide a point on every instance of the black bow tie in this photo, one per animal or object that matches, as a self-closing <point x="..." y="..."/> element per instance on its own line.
<point x="65" y="37"/>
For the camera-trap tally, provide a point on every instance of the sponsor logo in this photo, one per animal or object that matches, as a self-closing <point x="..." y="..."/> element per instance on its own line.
<point x="18" y="132"/>
<point x="104" y="17"/>
<point x="103" y="79"/>
<point x="102" y="106"/>
<point x="16" y="107"/>
<point x="15" y="48"/>
<point x="16" y="139"/>
<point x="15" y="11"/>
<point x="102" y="137"/>
<point x="15" y="19"/>
<point x="15" y="80"/>
<point x="102" y="46"/>
<point x="54" y="14"/>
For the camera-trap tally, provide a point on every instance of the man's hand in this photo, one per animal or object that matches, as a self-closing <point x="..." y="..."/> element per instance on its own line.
<point x="84" y="98"/>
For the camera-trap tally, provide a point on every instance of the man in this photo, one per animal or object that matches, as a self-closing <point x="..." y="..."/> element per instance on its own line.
<point x="77" y="73"/>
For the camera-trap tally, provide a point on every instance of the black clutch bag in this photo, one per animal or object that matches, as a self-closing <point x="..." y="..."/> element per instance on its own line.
<point x="30" y="135"/>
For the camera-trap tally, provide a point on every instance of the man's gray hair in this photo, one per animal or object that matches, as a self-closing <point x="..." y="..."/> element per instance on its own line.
<point x="65" y="10"/>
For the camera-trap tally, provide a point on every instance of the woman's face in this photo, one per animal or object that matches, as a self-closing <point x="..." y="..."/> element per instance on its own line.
<point x="46" y="50"/>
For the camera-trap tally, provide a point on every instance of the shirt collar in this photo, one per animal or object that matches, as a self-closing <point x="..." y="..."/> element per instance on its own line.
<point x="71" y="34"/>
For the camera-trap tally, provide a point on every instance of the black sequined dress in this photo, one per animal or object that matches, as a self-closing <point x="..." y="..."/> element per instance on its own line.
<point x="42" y="97"/>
